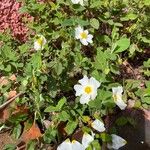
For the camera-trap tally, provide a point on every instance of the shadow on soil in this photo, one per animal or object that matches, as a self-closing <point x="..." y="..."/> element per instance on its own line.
<point x="138" y="136"/>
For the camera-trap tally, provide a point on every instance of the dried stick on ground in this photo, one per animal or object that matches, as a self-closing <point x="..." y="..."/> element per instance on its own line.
<point x="9" y="101"/>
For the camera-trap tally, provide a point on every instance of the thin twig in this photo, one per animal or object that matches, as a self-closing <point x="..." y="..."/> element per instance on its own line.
<point x="9" y="101"/>
<point x="21" y="147"/>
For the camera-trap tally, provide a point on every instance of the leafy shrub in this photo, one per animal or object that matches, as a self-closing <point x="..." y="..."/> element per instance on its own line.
<point x="47" y="76"/>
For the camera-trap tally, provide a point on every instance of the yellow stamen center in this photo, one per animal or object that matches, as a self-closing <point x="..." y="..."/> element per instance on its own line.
<point x="115" y="97"/>
<point x="84" y="35"/>
<point x="40" y="41"/>
<point x="67" y="140"/>
<point x="88" y="89"/>
<point x="73" y="141"/>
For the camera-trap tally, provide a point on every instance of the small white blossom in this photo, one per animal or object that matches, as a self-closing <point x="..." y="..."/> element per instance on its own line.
<point x="81" y="2"/>
<point x="87" y="89"/>
<point x="98" y="125"/>
<point x="39" y="42"/>
<point x="75" y="145"/>
<point x="67" y="145"/>
<point x="87" y="139"/>
<point x="83" y="35"/>
<point x="117" y="95"/>
<point x="117" y="142"/>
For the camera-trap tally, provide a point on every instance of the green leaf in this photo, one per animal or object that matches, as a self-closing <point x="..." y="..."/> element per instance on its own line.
<point x="7" y="52"/>
<point x="68" y="22"/>
<point x="61" y="103"/>
<point x="105" y="39"/>
<point x="58" y="106"/>
<point x="103" y="98"/>
<point x="105" y="137"/>
<point x="17" y="118"/>
<point x="147" y="83"/>
<point x="52" y="86"/>
<point x="31" y="145"/>
<point x="121" y="121"/>
<point x="132" y="121"/>
<point x="96" y="145"/>
<point x="101" y="61"/>
<point x="36" y="60"/>
<point x="9" y="147"/>
<point x="122" y="45"/>
<point x="96" y="4"/>
<point x="94" y="23"/>
<point x="17" y="131"/>
<point x="23" y="48"/>
<point x="51" y="109"/>
<point x="50" y="135"/>
<point x="147" y="63"/>
<point x="64" y="116"/>
<point x="137" y="104"/>
<point x="82" y="22"/>
<point x="146" y="100"/>
<point x="58" y="68"/>
<point x="145" y="40"/>
<point x="129" y="16"/>
<point x="70" y="127"/>
<point x="147" y="2"/>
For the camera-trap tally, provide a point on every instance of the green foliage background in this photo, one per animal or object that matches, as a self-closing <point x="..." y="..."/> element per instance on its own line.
<point x="121" y="32"/>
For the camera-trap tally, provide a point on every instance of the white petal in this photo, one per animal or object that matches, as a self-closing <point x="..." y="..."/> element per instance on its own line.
<point x="78" y="31"/>
<point x="84" y="41"/>
<point x="117" y="142"/>
<point x="117" y="90"/>
<point x="117" y="93"/>
<point x="94" y="94"/>
<point x="94" y="82"/>
<point x="37" y="46"/>
<point x="84" y="99"/>
<point x="84" y="81"/>
<point x="66" y="145"/>
<point x="44" y="40"/>
<point x="109" y="145"/>
<point x="121" y="104"/>
<point x="76" y="145"/>
<point x="98" y="125"/>
<point x="89" y="38"/>
<point x="87" y="139"/>
<point x="75" y="1"/>
<point x="92" y="134"/>
<point x="79" y="89"/>
<point x="86" y="31"/>
<point x="81" y="3"/>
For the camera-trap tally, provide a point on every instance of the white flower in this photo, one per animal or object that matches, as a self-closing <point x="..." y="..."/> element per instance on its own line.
<point x="39" y="42"/>
<point x="81" y="2"/>
<point x="117" y="95"/>
<point x="87" y="89"/>
<point x="87" y="139"/>
<point x="75" y="1"/>
<point x="76" y="146"/>
<point x="98" y="125"/>
<point x="117" y="142"/>
<point x="67" y="145"/>
<point x="83" y="35"/>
